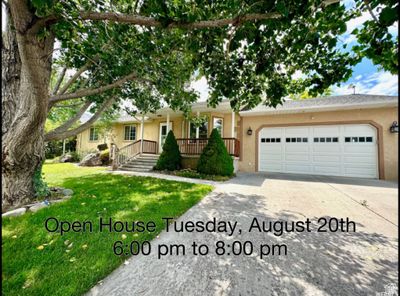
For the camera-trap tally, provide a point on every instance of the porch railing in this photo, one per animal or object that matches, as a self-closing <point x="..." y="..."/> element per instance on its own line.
<point x="195" y="146"/>
<point x="122" y="155"/>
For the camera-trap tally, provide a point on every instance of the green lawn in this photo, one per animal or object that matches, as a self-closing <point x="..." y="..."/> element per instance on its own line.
<point x="36" y="262"/>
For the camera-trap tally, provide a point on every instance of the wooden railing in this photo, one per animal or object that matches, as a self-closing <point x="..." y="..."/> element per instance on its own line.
<point x="149" y="147"/>
<point x="122" y="155"/>
<point x="195" y="146"/>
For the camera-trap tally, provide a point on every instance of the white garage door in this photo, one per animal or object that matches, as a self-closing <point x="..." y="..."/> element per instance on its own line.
<point x="335" y="150"/>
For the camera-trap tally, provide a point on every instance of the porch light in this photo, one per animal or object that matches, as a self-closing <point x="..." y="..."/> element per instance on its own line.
<point x="249" y="131"/>
<point x="394" y="128"/>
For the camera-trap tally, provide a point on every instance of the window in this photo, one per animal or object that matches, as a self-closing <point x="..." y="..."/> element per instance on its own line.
<point x="218" y="123"/>
<point x="130" y="133"/>
<point x="93" y="134"/>
<point x="358" y="139"/>
<point x="270" y="140"/>
<point x="203" y="131"/>
<point x="326" y="140"/>
<point x="296" y="140"/>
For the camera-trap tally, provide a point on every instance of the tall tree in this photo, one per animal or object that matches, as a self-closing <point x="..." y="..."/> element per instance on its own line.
<point x="247" y="50"/>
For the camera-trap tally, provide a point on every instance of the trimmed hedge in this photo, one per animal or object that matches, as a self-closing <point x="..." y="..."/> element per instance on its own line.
<point x="170" y="158"/>
<point x="215" y="159"/>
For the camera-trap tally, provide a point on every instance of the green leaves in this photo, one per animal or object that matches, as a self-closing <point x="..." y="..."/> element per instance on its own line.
<point x="388" y="16"/>
<point x="374" y="39"/>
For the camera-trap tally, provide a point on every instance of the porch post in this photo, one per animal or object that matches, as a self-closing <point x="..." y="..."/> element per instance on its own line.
<point x="167" y="123"/>
<point x="63" y="153"/>
<point x="233" y="131"/>
<point x="197" y="128"/>
<point x="233" y="125"/>
<point x="141" y="134"/>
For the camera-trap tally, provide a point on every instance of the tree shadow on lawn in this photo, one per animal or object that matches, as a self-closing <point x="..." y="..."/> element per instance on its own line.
<point x="62" y="270"/>
<point x="359" y="263"/>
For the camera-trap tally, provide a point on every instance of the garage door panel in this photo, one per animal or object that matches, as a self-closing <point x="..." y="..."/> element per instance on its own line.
<point x="272" y="157"/>
<point x="272" y="167"/>
<point x="297" y="157"/>
<point x="359" y="172"/>
<point x="326" y="170"/>
<point x="324" y="130"/>
<point x="296" y="131"/>
<point x="326" y="158"/>
<point x="297" y="168"/>
<point x="296" y="148"/>
<point x="326" y="148"/>
<point x="323" y="150"/>
<point x="360" y="148"/>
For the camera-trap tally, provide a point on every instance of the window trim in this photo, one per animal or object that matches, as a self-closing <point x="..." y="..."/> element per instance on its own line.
<point x="131" y="125"/>
<point x="94" y="133"/>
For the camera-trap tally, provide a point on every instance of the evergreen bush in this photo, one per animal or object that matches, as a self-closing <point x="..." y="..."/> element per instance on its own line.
<point x="170" y="158"/>
<point x="215" y="159"/>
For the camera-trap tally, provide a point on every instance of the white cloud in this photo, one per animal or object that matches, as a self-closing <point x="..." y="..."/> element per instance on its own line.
<point x="358" y="77"/>
<point x="201" y="86"/>
<point x="379" y="83"/>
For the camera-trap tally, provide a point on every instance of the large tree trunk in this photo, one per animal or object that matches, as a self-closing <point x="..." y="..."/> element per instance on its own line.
<point x="23" y="145"/>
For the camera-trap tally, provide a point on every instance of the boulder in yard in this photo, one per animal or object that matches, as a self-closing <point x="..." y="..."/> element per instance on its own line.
<point x="66" y="158"/>
<point x="91" y="159"/>
<point x="16" y="212"/>
<point x="67" y="192"/>
<point x="37" y="207"/>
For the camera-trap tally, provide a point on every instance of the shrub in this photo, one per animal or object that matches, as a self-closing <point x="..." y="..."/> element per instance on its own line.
<point x="215" y="159"/>
<point x="105" y="157"/>
<point x="170" y="158"/>
<point x="102" y="147"/>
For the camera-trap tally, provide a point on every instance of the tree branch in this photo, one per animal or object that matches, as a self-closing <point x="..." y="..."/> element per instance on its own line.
<point x="66" y="125"/>
<point x="59" y="80"/>
<point x="95" y="91"/>
<point x="152" y="22"/>
<point x="366" y="2"/>
<point x="52" y="136"/>
<point x="74" y="77"/>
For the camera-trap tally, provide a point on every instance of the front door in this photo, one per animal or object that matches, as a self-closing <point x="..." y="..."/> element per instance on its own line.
<point x="163" y="134"/>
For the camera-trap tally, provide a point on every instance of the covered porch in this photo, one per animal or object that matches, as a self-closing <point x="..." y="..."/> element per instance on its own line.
<point x="192" y="139"/>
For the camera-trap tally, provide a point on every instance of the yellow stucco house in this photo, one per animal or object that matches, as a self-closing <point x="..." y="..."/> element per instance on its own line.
<point x="351" y="136"/>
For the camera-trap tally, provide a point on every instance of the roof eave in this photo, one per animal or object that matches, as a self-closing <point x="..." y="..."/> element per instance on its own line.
<point x="317" y="109"/>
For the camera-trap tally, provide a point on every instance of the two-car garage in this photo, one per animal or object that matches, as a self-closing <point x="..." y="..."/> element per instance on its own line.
<point x="349" y="150"/>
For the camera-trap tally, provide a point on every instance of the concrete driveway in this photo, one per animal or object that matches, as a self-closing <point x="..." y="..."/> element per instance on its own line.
<point x="317" y="263"/>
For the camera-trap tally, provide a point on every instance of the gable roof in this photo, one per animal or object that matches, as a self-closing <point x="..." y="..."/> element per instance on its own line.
<point x="356" y="101"/>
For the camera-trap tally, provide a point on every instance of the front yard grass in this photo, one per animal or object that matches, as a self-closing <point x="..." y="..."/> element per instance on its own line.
<point x="36" y="262"/>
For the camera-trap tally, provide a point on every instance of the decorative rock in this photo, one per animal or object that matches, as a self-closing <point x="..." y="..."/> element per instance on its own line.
<point x="66" y="158"/>
<point x="92" y="159"/>
<point x="16" y="212"/>
<point x="37" y="207"/>
<point x="67" y="192"/>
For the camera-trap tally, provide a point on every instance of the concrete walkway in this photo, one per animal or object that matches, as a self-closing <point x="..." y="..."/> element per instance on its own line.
<point x="317" y="263"/>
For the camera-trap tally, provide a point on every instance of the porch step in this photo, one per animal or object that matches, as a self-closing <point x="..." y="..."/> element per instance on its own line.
<point x="142" y="163"/>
